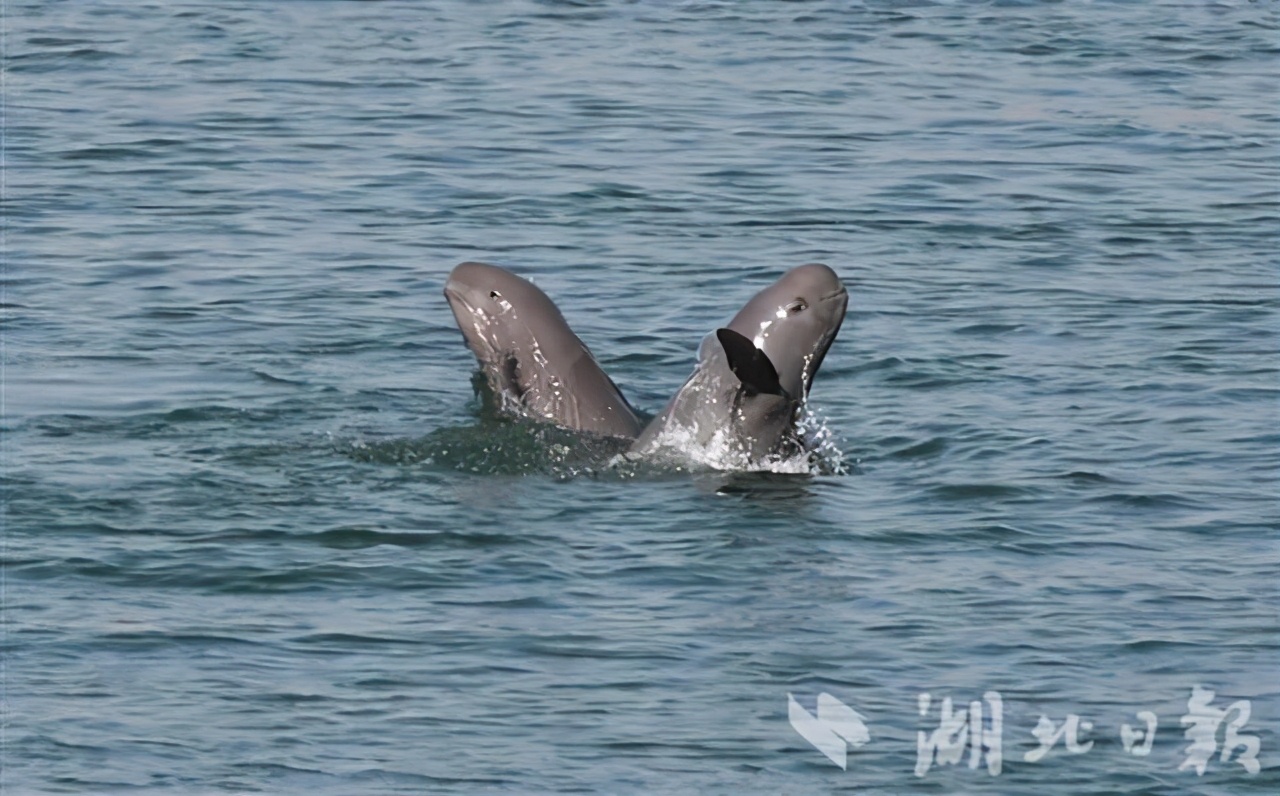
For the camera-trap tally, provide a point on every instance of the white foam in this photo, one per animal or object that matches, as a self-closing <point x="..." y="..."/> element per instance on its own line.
<point x="820" y="455"/>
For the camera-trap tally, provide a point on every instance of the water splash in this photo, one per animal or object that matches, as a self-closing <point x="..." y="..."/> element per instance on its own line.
<point x="821" y="443"/>
<point x="680" y="448"/>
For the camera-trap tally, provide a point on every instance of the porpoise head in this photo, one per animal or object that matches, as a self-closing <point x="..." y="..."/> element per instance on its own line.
<point x="741" y="406"/>
<point x="498" y="312"/>
<point x="530" y="356"/>
<point x="792" y="323"/>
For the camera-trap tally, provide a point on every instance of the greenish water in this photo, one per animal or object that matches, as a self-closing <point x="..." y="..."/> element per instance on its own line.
<point x="258" y="536"/>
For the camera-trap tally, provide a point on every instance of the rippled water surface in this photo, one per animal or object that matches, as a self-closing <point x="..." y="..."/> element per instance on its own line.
<point x="258" y="536"/>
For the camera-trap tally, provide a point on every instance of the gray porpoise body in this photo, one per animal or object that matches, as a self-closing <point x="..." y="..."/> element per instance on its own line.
<point x="753" y="376"/>
<point x="530" y="358"/>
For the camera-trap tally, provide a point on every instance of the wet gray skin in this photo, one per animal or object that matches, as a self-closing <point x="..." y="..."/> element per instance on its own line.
<point x="532" y="361"/>
<point x="753" y="375"/>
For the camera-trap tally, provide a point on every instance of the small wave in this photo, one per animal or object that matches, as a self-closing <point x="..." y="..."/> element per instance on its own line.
<point x="495" y="448"/>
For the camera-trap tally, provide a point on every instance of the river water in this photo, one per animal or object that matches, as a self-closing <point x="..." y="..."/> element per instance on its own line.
<point x="259" y="537"/>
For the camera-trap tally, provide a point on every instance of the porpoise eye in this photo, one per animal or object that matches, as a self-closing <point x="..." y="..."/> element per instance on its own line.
<point x="799" y="305"/>
<point x="493" y="294"/>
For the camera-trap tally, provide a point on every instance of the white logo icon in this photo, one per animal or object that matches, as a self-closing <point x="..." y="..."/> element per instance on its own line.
<point x="833" y="730"/>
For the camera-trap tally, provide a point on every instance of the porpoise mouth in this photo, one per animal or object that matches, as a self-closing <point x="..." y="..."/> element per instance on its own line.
<point x="472" y="322"/>
<point x="837" y="293"/>
<point x="454" y="294"/>
<point x="814" y="360"/>
<point x="461" y="309"/>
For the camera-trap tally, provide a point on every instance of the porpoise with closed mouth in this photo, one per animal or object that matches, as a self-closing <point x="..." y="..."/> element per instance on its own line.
<point x="531" y="360"/>
<point x="752" y="378"/>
